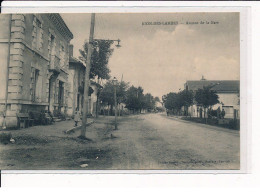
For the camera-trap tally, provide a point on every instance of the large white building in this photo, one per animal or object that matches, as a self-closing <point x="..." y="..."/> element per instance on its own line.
<point x="227" y="90"/>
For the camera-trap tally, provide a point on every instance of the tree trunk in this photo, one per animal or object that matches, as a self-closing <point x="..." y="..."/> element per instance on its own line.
<point x="97" y="107"/>
<point x="111" y="109"/>
<point x="119" y="110"/>
<point x="205" y="115"/>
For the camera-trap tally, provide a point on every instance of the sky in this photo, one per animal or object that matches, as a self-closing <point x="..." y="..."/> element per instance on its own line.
<point x="161" y="58"/>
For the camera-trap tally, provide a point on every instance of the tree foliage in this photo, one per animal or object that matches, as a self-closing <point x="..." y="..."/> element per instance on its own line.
<point x="206" y="97"/>
<point x="99" y="59"/>
<point x="174" y="101"/>
<point x="156" y="99"/>
<point x="149" y="102"/>
<point x="134" y="98"/>
<point x="171" y="101"/>
<point x="107" y="93"/>
<point x="186" y="98"/>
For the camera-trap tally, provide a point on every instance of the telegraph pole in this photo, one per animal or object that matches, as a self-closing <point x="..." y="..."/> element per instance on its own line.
<point x="115" y="107"/>
<point x="86" y="87"/>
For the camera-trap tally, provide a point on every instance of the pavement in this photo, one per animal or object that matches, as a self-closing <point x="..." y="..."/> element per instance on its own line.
<point x="146" y="141"/>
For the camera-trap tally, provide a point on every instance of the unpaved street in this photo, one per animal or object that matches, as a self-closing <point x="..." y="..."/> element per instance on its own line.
<point x="154" y="141"/>
<point x="147" y="141"/>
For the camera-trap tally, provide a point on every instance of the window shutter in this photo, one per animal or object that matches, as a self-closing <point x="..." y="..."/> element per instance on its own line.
<point x="32" y="92"/>
<point x="41" y="39"/>
<point x="34" y="33"/>
<point x="49" y="44"/>
<point x="57" y="91"/>
<point x="39" y="88"/>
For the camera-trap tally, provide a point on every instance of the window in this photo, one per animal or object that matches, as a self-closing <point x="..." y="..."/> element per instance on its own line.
<point x="52" y="49"/>
<point x="38" y="34"/>
<point x="62" y="54"/>
<point x="61" y="93"/>
<point x="36" y="86"/>
<point x="35" y="81"/>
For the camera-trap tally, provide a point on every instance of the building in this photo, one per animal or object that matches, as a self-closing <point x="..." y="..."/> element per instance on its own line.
<point x="34" y="64"/>
<point x="76" y="81"/>
<point x="76" y="93"/>
<point x="227" y="90"/>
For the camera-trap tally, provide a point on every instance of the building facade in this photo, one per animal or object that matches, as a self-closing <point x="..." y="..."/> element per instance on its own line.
<point x="227" y="91"/>
<point x="34" y="60"/>
<point x="76" y="93"/>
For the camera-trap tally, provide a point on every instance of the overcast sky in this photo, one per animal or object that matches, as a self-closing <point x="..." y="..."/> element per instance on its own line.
<point x="161" y="58"/>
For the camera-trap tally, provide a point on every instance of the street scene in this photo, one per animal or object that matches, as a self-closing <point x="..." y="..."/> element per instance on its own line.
<point x="120" y="91"/>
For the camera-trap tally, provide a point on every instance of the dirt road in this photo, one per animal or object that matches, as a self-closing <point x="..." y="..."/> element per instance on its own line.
<point x="150" y="141"/>
<point x="154" y="141"/>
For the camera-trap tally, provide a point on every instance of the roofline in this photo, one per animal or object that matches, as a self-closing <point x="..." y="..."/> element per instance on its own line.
<point x="218" y="91"/>
<point x="78" y="61"/>
<point x="60" y="25"/>
<point x="210" y="80"/>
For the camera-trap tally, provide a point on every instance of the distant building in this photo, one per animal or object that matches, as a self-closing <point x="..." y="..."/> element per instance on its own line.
<point x="227" y="90"/>
<point x="76" y="94"/>
<point x="34" y="64"/>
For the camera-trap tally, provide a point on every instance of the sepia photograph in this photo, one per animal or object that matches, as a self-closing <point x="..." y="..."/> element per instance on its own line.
<point x="120" y="91"/>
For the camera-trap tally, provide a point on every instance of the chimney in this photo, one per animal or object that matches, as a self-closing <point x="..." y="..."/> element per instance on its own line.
<point x="71" y="50"/>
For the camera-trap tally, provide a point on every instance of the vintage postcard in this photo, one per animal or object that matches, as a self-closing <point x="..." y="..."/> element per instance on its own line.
<point x="121" y="91"/>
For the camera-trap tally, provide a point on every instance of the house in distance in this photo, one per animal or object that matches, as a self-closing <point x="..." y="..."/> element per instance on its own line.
<point x="227" y="91"/>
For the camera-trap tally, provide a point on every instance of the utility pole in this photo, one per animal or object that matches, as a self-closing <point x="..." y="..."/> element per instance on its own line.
<point x="7" y="72"/>
<point x="115" y="108"/>
<point x="115" y="85"/>
<point x="86" y="87"/>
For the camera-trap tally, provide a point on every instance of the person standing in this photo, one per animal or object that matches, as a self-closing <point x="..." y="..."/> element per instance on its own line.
<point x="223" y="113"/>
<point x="77" y="117"/>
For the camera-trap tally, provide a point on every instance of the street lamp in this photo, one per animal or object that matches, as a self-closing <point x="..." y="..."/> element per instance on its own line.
<point x="95" y="41"/>
<point x="118" y="43"/>
<point x="114" y="81"/>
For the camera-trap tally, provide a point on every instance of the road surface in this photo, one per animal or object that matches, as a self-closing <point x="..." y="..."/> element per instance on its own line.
<point x="154" y="141"/>
<point x="146" y="141"/>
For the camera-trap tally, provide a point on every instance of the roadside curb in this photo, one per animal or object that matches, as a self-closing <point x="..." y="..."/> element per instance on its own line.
<point x="205" y="125"/>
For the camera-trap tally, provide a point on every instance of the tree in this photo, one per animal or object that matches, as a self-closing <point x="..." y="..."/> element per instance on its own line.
<point x="149" y="102"/>
<point x="171" y="101"/>
<point x="134" y="99"/>
<point x="186" y="99"/>
<point x="99" y="59"/>
<point x="107" y="94"/>
<point x="121" y="91"/>
<point x="156" y="99"/>
<point x="175" y="101"/>
<point x="206" y="97"/>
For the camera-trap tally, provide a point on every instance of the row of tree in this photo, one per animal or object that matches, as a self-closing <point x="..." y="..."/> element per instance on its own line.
<point x="133" y="97"/>
<point x="204" y="98"/>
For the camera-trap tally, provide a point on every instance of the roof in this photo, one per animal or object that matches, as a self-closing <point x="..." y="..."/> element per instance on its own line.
<point x="221" y="86"/>
<point x="73" y="60"/>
